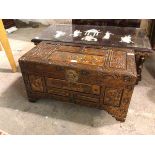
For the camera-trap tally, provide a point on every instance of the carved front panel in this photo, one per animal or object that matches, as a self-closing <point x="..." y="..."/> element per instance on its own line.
<point x="80" y="87"/>
<point x="112" y="96"/>
<point x="36" y="83"/>
<point x="87" y="97"/>
<point x="87" y="103"/>
<point x="59" y="92"/>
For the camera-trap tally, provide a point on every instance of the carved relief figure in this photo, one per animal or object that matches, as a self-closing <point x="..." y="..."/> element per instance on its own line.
<point x="59" y="34"/>
<point x="92" y="32"/>
<point x="107" y="35"/>
<point x="89" y="38"/>
<point x="36" y="83"/>
<point x="77" y="33"/>
<point x="126" y="39"/>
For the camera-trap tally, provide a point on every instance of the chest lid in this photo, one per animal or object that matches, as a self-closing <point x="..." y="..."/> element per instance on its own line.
<point x="98" y="61"/>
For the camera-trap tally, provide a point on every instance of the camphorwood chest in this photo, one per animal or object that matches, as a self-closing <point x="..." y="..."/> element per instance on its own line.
<point x="97" y="77"/>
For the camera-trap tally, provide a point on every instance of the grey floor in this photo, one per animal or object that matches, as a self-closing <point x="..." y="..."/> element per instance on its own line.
<point x="18" y="116"/>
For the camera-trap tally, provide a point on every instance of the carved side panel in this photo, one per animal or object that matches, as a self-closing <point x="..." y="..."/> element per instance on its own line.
<point x="119" y="101"/>
<point x="36" y="83"/>
<point x="112" y="97"/>
<point x="117" y="59"/>
<point x="26" y="81"/>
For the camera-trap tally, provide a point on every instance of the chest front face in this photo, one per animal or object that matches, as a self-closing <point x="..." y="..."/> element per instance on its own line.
<point x="93" y="77"/>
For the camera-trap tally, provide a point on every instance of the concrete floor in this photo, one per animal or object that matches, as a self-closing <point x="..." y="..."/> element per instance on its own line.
<point x="18" y="116"/>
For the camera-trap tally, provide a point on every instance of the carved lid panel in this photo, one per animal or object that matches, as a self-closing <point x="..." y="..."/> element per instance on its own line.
<point x="109" y="60"/>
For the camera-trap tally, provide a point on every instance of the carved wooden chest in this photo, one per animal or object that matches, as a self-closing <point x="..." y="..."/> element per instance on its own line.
<point x="97" y="77"/>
